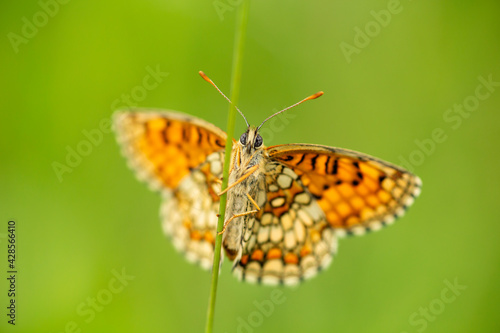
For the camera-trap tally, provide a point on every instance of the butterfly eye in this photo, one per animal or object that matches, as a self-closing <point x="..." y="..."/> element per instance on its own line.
<point x="258" y="141"/>
<point x="243" y="138"/>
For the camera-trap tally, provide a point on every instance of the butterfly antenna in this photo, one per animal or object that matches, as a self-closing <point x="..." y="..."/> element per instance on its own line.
<point x="206" y="78"/>
<point x="316" y="95"/>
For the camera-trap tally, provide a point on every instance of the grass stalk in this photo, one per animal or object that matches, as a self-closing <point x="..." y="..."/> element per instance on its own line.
<point x="241" y="27"/>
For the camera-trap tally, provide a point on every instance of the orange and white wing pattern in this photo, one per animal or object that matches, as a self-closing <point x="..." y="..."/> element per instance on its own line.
<point x="356" y="192"/>
<point x="163" y="146"/>
<point x="181" y="156"/>
<point x="289" y="239"/>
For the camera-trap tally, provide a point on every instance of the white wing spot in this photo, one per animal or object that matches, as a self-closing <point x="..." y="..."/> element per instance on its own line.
<point x="278" y="202"/>
<point x="263" y="235"/>
<point x="276" y="233"/>
<point x="303" y="198"/>
<point x="284" y="181"/>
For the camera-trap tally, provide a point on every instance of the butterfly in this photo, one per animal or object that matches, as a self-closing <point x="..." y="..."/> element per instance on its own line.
<point x="287" y="205"/>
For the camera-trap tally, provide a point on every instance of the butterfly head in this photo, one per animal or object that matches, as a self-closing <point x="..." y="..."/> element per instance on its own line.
<point x="251" y="140"/>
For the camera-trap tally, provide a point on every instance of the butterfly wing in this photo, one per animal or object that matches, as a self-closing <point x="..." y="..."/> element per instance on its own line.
<point x="314" y="194"/>
<point x="289" y="239"/>
<point x="181" y="156"/>
<point x="164" y="146"/>
<point x="356" y="192"/>
<point x="189" y="213"/>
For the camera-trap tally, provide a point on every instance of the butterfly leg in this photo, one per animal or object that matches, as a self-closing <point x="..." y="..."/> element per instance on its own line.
<point x="233" y="217"/>
<point x="237" y="158"/>
<point x="245" y="176"/>
<point x="217" y="180"/>
<point x="242" y="214"/>
<point x="253" y="202"/>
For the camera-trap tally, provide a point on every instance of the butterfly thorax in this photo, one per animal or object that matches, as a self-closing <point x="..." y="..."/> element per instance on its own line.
<point x="248" y="162"/>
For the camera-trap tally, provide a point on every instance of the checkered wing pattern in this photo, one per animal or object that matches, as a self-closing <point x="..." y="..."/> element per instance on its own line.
<point x="181" y="156"/>
<point x="289" y="239"/>
<point x="356" y="192"/>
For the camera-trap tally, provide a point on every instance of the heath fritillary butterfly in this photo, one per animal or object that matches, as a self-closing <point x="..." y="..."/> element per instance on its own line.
<point x="287" y="204"/>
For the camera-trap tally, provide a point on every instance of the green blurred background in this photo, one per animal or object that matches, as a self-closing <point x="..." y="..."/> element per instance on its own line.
<point x="74" y="232"/>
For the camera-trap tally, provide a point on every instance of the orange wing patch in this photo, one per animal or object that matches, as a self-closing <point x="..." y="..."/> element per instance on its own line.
<point x="163" y="147"/>
<point x="356" y="192"/>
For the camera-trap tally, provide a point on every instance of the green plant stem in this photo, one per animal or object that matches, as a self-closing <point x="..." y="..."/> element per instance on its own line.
<point x="235" y="92"/>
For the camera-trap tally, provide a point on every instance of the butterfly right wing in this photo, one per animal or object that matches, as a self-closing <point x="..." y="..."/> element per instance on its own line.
<point x="289" y="239"/>
<point x="358" y="193"/>
<point x="181" y="156"/>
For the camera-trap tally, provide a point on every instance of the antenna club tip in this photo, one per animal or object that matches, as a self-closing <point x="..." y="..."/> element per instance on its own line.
<point x="204" y="76"/>
<point x="318" y="94"/>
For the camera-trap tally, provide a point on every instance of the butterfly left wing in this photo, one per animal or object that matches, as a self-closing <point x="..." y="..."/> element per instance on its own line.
<point x="356" y="192"/>
<point x="181" y="156"/>
<point x="189" y="212"/>
<point x="162" y="147"/>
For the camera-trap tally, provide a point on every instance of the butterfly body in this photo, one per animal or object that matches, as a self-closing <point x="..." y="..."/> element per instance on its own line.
<point x="287" y="205"/>
<point x="247" y="159"/>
